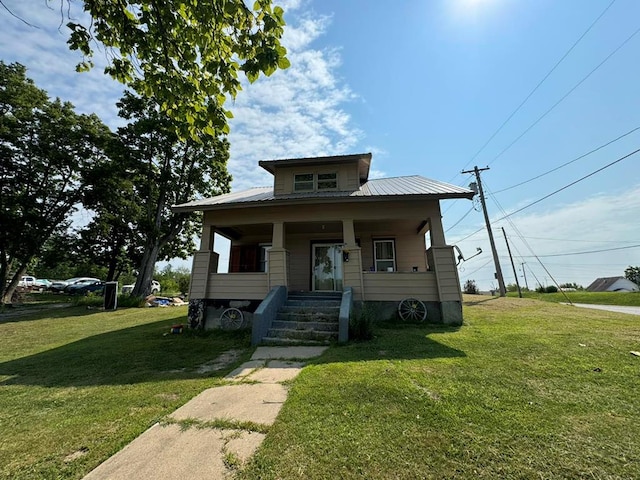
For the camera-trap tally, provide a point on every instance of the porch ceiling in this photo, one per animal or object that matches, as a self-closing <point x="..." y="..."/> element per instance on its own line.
<point x="383" y="226"/>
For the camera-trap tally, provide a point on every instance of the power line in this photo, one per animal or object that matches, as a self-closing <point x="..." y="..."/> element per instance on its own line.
<point x="565" y="96"/>
<point x="463" y="217"/>
<point x="569" y="162"/>
<point x="553" y="193"/>
<point x="582" y="241"/>
<point x="588" y="252"/>
<point x="538" y="85"/>
<point x="572" y="183"/>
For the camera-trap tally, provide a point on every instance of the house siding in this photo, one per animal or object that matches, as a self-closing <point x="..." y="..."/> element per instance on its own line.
<point x="346" y="175"/>
<point x="384" y="286"/>
<point x="238" y="286"/>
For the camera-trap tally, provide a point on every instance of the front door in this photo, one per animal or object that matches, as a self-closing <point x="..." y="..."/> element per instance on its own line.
<point x="327" y="267"/>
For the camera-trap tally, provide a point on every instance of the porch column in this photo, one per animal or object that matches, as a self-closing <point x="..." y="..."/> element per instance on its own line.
<point x="352" y="260"/>
<point x="205" y="262"/>
<point x="278" y="258"/>
<point x="436" y="232"/>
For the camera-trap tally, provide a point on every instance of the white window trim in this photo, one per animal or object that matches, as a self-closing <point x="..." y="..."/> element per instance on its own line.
<point x="393" y="249"/>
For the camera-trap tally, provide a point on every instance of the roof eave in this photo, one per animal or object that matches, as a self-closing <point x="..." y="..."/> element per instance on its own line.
<point x="320" y="200"/>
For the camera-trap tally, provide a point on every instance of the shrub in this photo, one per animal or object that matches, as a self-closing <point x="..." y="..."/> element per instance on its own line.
<point x="361" y="323"/>
<point x="551" y="289"/>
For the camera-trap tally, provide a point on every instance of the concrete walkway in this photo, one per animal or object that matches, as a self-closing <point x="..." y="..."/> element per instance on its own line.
<point x="177" y="451"/>
<point x="609" y="308"/>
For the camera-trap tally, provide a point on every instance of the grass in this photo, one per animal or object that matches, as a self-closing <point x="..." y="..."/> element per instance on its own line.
<point x="77" y="384"/>
<point x="631" y="299"/>
<point x="524" y="389"/>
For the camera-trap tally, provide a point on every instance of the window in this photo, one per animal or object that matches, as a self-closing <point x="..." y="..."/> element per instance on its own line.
<point x="308" y="182"/>
<point x="303" y="182"/>
<point x="263" y="261"/>
<point x="327" y="181"/>
<point x="384" y="255"/>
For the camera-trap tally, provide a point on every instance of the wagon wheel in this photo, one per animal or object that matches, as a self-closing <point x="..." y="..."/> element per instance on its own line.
<point x="411" y="309"/>
<point x="231" y="319"/>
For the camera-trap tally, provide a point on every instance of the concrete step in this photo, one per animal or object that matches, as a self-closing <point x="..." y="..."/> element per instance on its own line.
<point x="294" y="302"/>
<point x="308" y="316"/>
<point x="292" y="341"/>
<point x="306" y="310"/>
<point x="295" y="325"/>
<point x="315" y="296"/>
<point x="314" y="335"/>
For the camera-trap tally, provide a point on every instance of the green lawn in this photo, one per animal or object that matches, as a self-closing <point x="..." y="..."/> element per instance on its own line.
<point x="524" y="389"/>
<point x="603" y="298"/>
<point x="76" y="385"/>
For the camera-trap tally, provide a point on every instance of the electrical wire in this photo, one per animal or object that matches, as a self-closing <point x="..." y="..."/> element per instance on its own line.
<point x="564" y="96"/>
<point x="463" y="217"/>
<point x="572" y="183"/>
<point x="569" y="162"/>
<point x="552" y="193"/>
<point x="588" y="252"/>
<point x="538" y="85"/>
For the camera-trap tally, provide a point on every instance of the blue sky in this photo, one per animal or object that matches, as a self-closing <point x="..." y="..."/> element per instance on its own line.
<point x="425" y="85"/>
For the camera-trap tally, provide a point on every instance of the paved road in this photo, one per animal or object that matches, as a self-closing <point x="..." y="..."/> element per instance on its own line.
<point x="610" y="308"/>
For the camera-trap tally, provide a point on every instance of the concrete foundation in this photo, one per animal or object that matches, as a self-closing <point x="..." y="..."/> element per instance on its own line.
<point x="448" y="313"/>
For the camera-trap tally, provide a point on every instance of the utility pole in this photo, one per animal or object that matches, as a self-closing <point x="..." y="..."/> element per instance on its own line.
<point x="476" y="171"/>
<point x="515" y="274"/>
<point x="524" y="273"/>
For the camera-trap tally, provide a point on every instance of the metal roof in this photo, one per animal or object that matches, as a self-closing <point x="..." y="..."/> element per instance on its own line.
<point x="381" y="188"/>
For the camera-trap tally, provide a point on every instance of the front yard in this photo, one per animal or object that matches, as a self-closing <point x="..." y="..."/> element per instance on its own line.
<point x="525" y="389"/>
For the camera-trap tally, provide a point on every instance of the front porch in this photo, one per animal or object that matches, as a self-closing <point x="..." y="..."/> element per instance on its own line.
<point x="380" y="260"/>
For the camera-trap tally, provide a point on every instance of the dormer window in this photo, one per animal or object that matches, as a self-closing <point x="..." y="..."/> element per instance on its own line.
<point x="309" y="182"/>
<point x="303" y="182"/>
<point x="327" y="181"/>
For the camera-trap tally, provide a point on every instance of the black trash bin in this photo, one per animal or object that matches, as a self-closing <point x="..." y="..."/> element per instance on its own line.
<point x="110" y="295"/>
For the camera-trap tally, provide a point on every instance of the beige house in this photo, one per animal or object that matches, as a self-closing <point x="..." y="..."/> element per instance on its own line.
<point x="324" y="226"/>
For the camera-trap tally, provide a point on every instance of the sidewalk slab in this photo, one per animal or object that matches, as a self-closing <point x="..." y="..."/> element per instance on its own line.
<point x="258" y="403"/>
<point x="245" y="369"/>
<point x="167" y="453"/>
<point x="276" y="371"/>
<point x="269" y="353"/>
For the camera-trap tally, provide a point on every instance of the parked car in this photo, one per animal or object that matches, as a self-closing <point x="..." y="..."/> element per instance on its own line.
<point x="59" y="286"/>
<point x="155" y="287"/>
<point x="27" y="281"/>
<point x="42" y="284"/>
<point x="84" y="287"/>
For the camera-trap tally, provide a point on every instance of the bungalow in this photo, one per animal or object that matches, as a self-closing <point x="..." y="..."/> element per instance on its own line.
<point x="325" y="228"/>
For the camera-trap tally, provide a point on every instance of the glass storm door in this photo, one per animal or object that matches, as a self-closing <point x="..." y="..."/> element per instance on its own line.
<point x="327" y="267"/>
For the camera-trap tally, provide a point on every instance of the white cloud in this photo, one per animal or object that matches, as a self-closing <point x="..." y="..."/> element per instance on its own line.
<point x="294" y="113"/>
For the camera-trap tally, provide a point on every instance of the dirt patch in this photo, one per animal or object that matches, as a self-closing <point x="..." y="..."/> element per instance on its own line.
<point x="224" y="360"/>
<point x="76" y="455"/>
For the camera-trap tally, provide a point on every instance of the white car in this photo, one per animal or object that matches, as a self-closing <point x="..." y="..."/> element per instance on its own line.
<point x="27" y="281"/>
<point x="155" y="287"/>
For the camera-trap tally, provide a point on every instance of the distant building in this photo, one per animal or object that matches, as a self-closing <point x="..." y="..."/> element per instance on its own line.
<point x="612" y="284"/>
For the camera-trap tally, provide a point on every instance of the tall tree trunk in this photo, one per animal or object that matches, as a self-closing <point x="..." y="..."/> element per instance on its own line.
<point x="146" y="270"/>
<point x="13" y="284"/>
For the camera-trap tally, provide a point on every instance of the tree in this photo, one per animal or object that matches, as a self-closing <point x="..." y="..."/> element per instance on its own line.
<point x="186" y="54"/>
<point x="164" y="170"/>
<point x="470" y="287"/>
<point x="633" y="274"/>
<point x="46" y="149"/>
